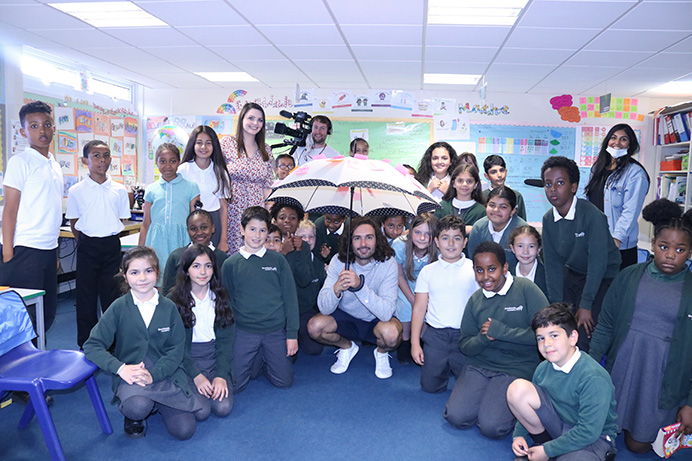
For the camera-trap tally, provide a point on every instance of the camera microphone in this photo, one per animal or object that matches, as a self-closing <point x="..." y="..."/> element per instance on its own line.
<point x="285" y="114"/>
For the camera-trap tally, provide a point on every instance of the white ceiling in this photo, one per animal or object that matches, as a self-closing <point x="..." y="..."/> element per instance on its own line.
<point x="622" y="46"/>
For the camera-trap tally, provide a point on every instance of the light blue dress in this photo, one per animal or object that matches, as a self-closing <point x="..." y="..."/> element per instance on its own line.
<point x="403" y="307"/>
<point x="170" y="206"/>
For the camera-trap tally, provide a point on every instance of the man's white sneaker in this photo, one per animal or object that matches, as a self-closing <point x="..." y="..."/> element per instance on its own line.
<point x="382" y="368"/>
<point x="343" y="358"/>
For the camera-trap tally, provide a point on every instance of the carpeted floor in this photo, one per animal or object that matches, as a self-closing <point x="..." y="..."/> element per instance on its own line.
<point x="353" y="416"/>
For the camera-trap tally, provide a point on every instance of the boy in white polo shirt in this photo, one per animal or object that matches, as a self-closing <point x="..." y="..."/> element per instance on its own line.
<point x="32" y="214"/>
<point x="442" y="290"/>
<point x="95" y="208"/>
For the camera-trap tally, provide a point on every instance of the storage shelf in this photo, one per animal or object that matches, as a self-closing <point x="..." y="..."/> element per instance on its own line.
<point x="675" y="144"/>
<point x="680" y="172"/>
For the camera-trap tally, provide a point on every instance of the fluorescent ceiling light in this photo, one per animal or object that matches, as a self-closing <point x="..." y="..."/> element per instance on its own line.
<point x="451" y="79"/>
<point x="227" y="76"/>
<point x="676" y="87"/>
<point x="472" y="12"/>
<point x="109" y="14"/>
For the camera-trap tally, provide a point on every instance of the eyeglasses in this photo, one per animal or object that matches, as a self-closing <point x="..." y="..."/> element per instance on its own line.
<point x="285" y="167"/>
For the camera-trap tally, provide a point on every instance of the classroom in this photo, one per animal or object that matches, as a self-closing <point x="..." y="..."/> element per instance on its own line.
<point x="523" y="79"/>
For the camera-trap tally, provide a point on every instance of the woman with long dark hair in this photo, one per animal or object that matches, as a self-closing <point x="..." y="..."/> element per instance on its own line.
<point x="618" y="186"/>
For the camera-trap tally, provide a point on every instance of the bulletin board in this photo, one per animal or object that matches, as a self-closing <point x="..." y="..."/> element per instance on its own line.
<point x="76" y="124"/>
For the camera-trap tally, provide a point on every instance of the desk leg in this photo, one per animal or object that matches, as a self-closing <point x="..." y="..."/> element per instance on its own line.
<point x="40" y="324"/>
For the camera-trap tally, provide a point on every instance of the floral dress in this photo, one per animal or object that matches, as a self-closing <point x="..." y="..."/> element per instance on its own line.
<point x="249" y="177"/>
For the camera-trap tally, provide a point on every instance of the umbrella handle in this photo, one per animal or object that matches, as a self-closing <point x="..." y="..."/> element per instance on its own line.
<point x="360" y="286"/>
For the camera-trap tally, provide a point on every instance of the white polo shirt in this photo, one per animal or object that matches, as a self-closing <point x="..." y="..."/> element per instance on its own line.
<point x="205" y="315"/>
<point x="449" y="287"/>
<point x="206" y="180"/>
<point x="98" y="208"/>
<point x="39" y="216"/>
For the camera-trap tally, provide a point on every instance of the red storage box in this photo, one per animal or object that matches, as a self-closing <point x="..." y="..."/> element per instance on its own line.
<point x="671" y="165"/>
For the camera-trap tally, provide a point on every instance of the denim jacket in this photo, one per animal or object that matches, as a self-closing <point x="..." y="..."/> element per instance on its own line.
<point x="622" y="202"/>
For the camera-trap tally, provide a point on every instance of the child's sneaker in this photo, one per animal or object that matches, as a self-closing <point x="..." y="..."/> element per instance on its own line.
<point x="382" y="368"/>
<point x="343" y="358"/>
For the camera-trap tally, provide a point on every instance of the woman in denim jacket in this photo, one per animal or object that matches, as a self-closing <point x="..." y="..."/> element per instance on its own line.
<point x="618" y="186"/>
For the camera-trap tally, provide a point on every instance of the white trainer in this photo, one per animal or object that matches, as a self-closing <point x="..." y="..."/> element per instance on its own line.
<point x="382" y="368"/>
<point x="343" y="358"/>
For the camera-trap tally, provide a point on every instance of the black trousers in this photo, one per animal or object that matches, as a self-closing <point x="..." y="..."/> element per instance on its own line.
<point x="37" y="270"/>
<point x="98" y="261"/>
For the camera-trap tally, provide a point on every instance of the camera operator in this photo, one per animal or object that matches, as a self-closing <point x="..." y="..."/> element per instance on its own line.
<point x="316" y="141"/>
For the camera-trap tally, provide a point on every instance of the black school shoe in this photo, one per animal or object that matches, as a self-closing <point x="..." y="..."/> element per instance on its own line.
<point x="135" y="429"/>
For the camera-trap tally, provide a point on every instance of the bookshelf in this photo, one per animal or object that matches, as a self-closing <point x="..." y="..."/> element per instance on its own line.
<point x="672" y="177"/>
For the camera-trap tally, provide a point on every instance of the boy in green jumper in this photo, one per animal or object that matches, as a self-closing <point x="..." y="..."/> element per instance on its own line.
<point x="581" y="258"/>
<point x="265" y="304"/>
<point x="497" y="340"/>
<point x="569" y="407"/>
<point x="496" y="172"/>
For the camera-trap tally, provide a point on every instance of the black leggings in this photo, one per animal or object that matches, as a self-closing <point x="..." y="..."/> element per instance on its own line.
<point x="180" y="424"/>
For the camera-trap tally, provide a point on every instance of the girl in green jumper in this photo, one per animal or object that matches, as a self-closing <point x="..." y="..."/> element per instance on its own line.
<point x="465" y="197"/>
<point x="645" y="332"/>
<point x="146" y="360"/>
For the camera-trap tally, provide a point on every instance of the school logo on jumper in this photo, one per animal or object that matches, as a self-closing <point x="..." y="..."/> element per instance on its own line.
<point x="269" y="268"/>
<point x="164" y="329"/>
<point x="579" y="234"/>
<point x="514" y="308"/>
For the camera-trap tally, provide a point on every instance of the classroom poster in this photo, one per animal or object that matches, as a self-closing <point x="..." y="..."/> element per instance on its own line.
<point x="18" y="142"/>
<point x="359" y="133"/>
<point x="117" y="127"/>
<point x="67" y="142"/>
<point x="68" y="181"/>
<point x="115" y="167"/>
<point x="68" y="164"/>
<point x="361" y="103"/>
<point x="341" y="99"/>
<point x="116" y="146"/>
<point x="402" y="100"/>
<point x="381" y="98"/>
<point x="83" y="121"/>
<point x="451" y="127"/>
<point x="127" y="165"/>
<point x="323" y="106"/>
<point x="186" y="122"/>
<point x="102" y="124"/>
<point x="442" y="106"/>
<point x="131" y="126"/>
<point x="422" y="108"/>
<point x="304" y="98"/>
<point x="103" y="138"/>
<point x="130" y="181"/>
<point x="129" y="146"/>
<point x="222" y="124"/>
<point x="64" y="118"/>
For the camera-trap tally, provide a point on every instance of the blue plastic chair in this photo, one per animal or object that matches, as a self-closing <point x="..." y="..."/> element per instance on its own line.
<point x="25" y="368"/>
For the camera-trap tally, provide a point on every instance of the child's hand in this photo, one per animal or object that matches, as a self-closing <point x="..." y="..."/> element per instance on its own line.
<point x="324" y="251"/>
<point x="433" y="185"/>
<point x="287" y="245"/>
<point x="135" y="374"/>
<point x="220" y="389"/>
<point x="417" y="354"/>
<point x="203" y="385"/>
<point x="585" y="319"/>
<point x="291" y="347"/>
<point x="485" y="327"/>
<point x="297" y="242"/>
<point x="519" y="446"/>
<point x="223" y="244"/>
<point x="537" y="453"/>
<point x="443" y="186"/>
<point x="684" y="417"/>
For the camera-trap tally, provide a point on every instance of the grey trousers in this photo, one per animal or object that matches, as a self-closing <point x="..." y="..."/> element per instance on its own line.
<point x="442" y="358"/>
<point x="268" y="348"/>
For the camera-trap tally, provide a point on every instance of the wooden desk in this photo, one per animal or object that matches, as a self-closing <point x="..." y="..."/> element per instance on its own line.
<point x="35" y="297"/>
<point x="131" y="227"/>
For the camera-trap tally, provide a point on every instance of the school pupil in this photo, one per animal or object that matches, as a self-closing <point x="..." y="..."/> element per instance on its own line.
<point x="465" y="197"/>
<point x="328" y="230"/>
<point x="167" y="203"/>
<point x="32" y="212"/>
<point x="618" y="185"/>
<point x="437" y="162"/>
<point x="496" y="172"/>
<point x="525" y="243"/>
<point x="498" y="343"/>
<point x="443" y="288"/>
<point x="501" y="219"/>
<point x="284" y="165"/>
<point x="96" y="207"/>
<point x="203" y="163"/>
<point x="412" y="253"/>
<point x="392" y="227"/>
<point x="140" y="340"/>
<point x="581" y="258"/>
<point x="273" y="241"/>
<point x="645" y="332"/>
<point x="287" y="218"/>
<point x="411" y="170"/>
<point x="207" y="317"/>
<point x="359" y="146"/>
<point x="307" y="295"/>
<point x="568" y="407"/>
<point x="467" y="158"/>
<point x="265" y="304"/>
<point x="200" y="228"/>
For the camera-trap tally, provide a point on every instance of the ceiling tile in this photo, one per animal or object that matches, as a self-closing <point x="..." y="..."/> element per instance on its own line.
<point x="36" y="15"/>
<point x="224" y="35"/>
<point x="444" y="35"/>
<point x="387" y="53"/>
<point x="248" y="53"/>
<point x="11" y="36"/>
<point x="640" y="40"/>
<point x="573" y="14"/>
<point x="218" y="65"/>
<point x="283" y="12"/>
<point x="585" y="73"/>
<point x="175" y="53"/>
<point x="151" y="36"/>
<point x="383" y="35"/>
<point x="550" y="38"/>
<point x="329" y="68"/>
<point x="385" y="68"/>
<point x="386" y="12"/>
<point x="78" y="37"/>
<point x="522" y="56"/>
<point x="684" y="46"/>
<point x="672" y="61"/>
<point x="658" y="16"/>
<point x="183" y="80"/>
<point x="459" y="53"/>
<point x="151" y="66"/>
<point x="519" y="70"/>
<point x="118" y="54"/>
<point x="190" y="13"/>
<point x="459" y="67"/>
<point x="312" y="52"/>
<point x="272" y="69"/>
<point x="607" y="58"/>
<point x="300" y="35"/>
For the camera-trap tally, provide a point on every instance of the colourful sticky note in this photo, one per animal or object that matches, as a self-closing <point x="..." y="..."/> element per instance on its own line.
<point x="583" y="113"/>
<point x="633" y="108"/>
<point x="634" y="101"/>
<point x="618" y="101"/>
<point x="626" y="108"/>
<point x="640" y="117"/>
<point x="618" y="114"/>
<point x="626" y="101"/>
<point x="582" y="106"/>
<point x="597" y="114"/>
<point x="590" y="114"/>
<point x="582" y="100"/>
<point x="596" y="106"/>
<point x="633" y="116"/>
<point x="590" y="107"/>
<point x="589" y="99"/>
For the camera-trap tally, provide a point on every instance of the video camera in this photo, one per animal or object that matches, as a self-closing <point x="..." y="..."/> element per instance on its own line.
<point x="299" y="135"/>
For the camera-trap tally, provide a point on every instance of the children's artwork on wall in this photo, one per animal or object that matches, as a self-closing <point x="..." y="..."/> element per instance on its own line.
<point x="68" y="181"/>
<point x="451" y="126"/>
<point x="103" y="138"/>
<point x="222" y="124"/>
<point x="563" y="105"/>
<point x="115" y="167"/>
<point x="341" y="99"/>
<point x="359" y="133"/>
<point x="129" y="146"/>
<point x="186" y="122"/>
<point x="68" y="164"/>
<point x="67" y="142"/>
<point x="127" y="166"/>
<point x="116" y="146"/>
<point x="361" y="103"/>
<point x="381" y="98"/>
<point x="323" y="106"/>
<point x="117" y="127"/>
<point x="304" y="98"/>
<point x="83" y="121"/>
<point x="82" y="139"/>
<point x="402" y="100"/>
<point x="422" y="108"/>
<point x="64" y="118"/>
<point x="129" y="181"/>
<point x="443" y="106"/>
<point x="102" y="124"/>
<point x="131" y="126"/>
<point x="483" y="109"/>
<point x="117" y="179"/>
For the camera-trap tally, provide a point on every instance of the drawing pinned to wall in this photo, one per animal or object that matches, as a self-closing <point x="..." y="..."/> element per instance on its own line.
<point x="323" y="106"/>
<point x="359" y="133"/>
<point x="83" y="121"/>
<point x="381" y="98"/>
<point x="225" y="108"/>
<point x="114" y="170"/>
<point x="443" y="106"/>
<point x="402" y="100"/>
<point x="116" y="146"/>
<point x="450" y="126"/>
<point x="129" y="146"/>
<point x="422" y="108"/>
<point x="130" y="181"/>
<point x="131" y="126"/>
<point x="361" y="103"/>
<point x="68" y="181"/>
<point x="222" y="124"/>
<point x="304" y="98"/>
<point x="127" y="166"/>
<point x="64" y="118"/>
<point x="620" y="108"/>
<point x="18" y="142"/>
<point x="483" y="109"/>
<point x="341" y="99"/>
<point x="102" y="124"/>
<point x="68" y="164"/>
<point x="186" y="122"/>
<point x="563" y="105"/>
<point x="67" y="142"/>
<point x="156" y="122"/>
<point x="103" y="138"/>
<point x="117" y="127"/>
<point x="82" y="139"/>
